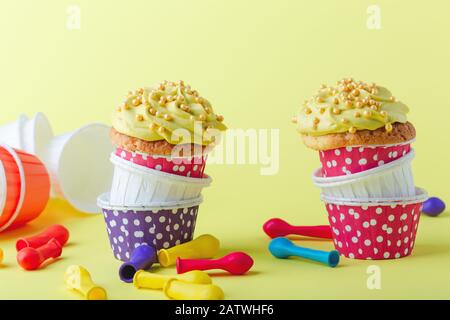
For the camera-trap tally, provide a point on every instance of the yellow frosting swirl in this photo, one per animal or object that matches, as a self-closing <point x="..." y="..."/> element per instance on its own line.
<point x="170" y="111"/>
<point x="350" y="106"/>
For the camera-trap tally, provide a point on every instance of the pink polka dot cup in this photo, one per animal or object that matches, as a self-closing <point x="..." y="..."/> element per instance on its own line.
<point x="380" y="229"/>
<point x="135" y="185"/>
<point x="349" y="160"/>
<point x="188" y="167"/>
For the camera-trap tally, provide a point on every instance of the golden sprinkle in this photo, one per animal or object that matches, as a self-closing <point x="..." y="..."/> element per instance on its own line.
<point x="352" y="130"/>
<point x="367" y="113"/>
<point x="392" y="99"/>
<point x="374" y="107"/>
<point x="161" y="129"/>
<point x="348" y="103"/>
<point x="184" y="107"/>
<point x="136" y="102"/>
<point x="344" y="120"/>
<point x="139" y="117"/>
<point x="202" y="117"/>
<point x="316" y="120"/>
<point x="199" y="100"/>
<point x="153" y="126"/>
<point x="359" y="104"/>
<point x="119" y="108"/>
<point x="388" y="127"/>
<point x="319" y="100"/>
<point x="220" y="118"/>
<point x="294" y="120"/>
<point x="162" y="87"/>
<point x="168" y="117"/>
<point x="383" y="113"/>
<point x="357" y="114"/>
<point x="322" y="110"/>
<point x="336" y="111"/>
<point x="191" y="117"/>
<point x="308" y="110"/>
<point x="355" y="92"/>
<point x="336" y="101"/>
<point x="152" y="111"/>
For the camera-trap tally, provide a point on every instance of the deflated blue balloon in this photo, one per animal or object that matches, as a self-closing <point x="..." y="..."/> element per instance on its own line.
<point x="433" y="206"/>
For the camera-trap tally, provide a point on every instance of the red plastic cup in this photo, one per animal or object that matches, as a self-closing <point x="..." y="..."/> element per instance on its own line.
<point x="348" y="160"/>
<point x="28" y="188"/>
<point x="11" y="184"/>
<point x="183" y="166"/>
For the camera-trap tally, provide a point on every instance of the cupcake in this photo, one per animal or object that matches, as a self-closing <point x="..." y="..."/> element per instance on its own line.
<point x="364" y="142"/>
<point x="355" y="126"/>
<point x="167" y="127"/>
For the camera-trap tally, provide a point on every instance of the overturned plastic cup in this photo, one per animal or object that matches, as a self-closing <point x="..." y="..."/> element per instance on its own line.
<point x="10" y="133"/>
<point x="28" y="187"/>
<point x="79" y="165"/>
<point x="29" y="135"/>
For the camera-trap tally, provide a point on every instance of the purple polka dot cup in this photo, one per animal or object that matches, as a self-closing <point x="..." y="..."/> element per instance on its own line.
<point x="391" y="180"/>
<point x="161" y="225"/>
<point x="136" y="185"/>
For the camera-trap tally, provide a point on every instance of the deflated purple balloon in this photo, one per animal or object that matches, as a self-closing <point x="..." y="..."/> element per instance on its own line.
<point x="142" y="258"/>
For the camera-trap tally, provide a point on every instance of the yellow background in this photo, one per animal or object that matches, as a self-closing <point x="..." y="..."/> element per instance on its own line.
<point x="256" y="61"/>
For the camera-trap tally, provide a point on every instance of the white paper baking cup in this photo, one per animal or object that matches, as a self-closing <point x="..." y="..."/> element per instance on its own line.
<point x="79" y="167"/>
<point x="420" y="195"/>
<point x="135" y="185"/>
<point x="391" y="180"/>
<point x="29" y="135"/>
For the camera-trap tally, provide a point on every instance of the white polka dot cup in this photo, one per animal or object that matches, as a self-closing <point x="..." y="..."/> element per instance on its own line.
<point x="348" y="160"/>
<point x="385" y="229"/>
<point x="392" y="180"/>
<point x="162" y="225"/>
<point x="188" y="167"/>
<point x="136" y="185"/>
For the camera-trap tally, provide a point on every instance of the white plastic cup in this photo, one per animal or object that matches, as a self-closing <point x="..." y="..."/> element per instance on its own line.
<point x="10" y="133"/>
<point x="135" y="185"/>
<point x="29" y="135"/>
<point x="36" y="134"/>
<point x="394" y="179"/>
<point x="79" y="167"/>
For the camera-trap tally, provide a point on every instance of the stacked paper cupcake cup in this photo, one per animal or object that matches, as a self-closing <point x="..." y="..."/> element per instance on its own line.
<point x="162" y="134"/>
<point x="364" y="142"/>
<point x="373" y="205"/>
<point x="154" y="200"/>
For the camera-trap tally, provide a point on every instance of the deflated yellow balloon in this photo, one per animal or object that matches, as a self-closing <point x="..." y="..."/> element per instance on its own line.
<point x="148" y="280"/>
<point x="181" y="290"/>
<point x="204" y="247"/>
<point x="78" y="278"/>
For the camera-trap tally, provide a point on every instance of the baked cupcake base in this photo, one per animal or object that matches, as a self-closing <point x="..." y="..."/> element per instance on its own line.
<point x="160" y="147"/>
<point x="401" y="132"/>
